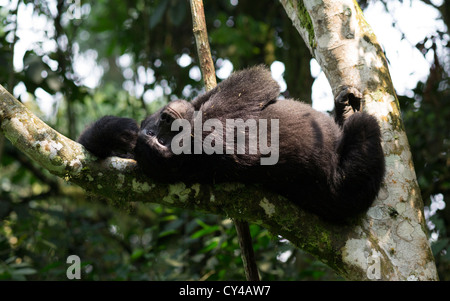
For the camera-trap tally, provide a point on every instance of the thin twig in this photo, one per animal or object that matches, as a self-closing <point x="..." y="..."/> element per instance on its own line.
<point x="201" y="40"/>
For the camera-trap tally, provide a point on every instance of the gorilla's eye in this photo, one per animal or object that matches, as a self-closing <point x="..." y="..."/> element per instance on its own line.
<point x="161" y="141"/>
<point x="150" y="133"/>
<point x="166" y="118"/>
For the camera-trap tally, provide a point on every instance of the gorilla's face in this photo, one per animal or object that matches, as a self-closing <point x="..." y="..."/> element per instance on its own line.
<point x="155" y="136"/>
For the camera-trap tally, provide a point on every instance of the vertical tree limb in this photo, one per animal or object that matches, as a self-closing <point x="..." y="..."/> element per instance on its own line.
<point x="246" y="245"/>
<point x="201" y="40"/>
<point x="209" y="77"/>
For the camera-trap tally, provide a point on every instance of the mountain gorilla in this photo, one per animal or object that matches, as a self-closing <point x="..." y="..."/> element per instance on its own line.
<point x="333" y="168"/>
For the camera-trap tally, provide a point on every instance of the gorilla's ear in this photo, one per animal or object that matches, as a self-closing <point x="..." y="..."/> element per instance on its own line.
<point x="253" y="87"/>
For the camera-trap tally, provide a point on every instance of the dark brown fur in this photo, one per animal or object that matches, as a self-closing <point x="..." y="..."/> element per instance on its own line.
<point x="333" y="171"/>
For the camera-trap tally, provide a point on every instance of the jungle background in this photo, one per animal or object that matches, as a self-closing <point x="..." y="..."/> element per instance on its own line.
<point x="72" y="62"/>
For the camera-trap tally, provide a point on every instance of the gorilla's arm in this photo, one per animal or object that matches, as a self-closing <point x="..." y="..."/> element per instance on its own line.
<point x="244" y="91"/>
<point x="111" y="136"/>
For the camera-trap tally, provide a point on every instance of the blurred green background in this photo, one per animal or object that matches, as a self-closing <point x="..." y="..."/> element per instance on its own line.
<point x="72" y="62"/>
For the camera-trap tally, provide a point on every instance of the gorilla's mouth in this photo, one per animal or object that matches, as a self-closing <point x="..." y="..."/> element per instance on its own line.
<point x="151" y="148"/>
<point x="161" y="143"/>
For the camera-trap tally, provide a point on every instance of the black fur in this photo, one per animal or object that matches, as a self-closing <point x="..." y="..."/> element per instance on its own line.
<point x="111" y="136"/>
<point x="333" y="171"/>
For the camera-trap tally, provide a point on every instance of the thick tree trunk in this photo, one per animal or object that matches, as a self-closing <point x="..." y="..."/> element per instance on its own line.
<point x="391" y="242"/>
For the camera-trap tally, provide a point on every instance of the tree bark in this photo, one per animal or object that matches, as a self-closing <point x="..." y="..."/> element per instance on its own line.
<point x="390" y="243"/>
<point x="201" y="40"/>
<point x="393" y="235"/>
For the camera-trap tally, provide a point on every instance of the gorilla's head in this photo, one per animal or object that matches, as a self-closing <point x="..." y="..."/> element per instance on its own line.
<point x="153" y="146"/>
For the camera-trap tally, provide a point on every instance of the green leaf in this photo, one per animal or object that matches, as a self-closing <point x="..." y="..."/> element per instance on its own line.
<point x="212" y="245"/>
<point x="167" y="233"/>
<point x="138" y="253"/>
<point x="205" y="231"/>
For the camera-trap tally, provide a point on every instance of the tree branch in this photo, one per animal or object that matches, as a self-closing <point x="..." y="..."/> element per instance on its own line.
<point x="201" y="40"/>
